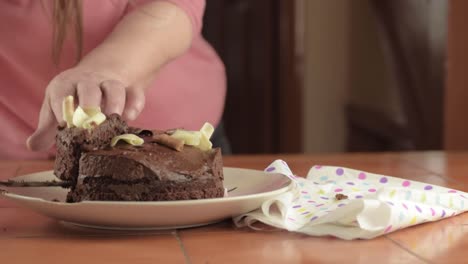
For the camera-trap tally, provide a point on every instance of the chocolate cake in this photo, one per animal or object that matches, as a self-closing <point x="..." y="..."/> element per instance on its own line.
<point x="104" y="159"/>
<point x="72" y="142"/>
<point x="151" y="172"/>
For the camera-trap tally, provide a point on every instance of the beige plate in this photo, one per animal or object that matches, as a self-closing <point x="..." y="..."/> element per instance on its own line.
<point x="253" y="188"/>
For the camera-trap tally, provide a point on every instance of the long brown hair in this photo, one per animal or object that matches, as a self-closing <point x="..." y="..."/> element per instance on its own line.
<point x="67" y="15"/>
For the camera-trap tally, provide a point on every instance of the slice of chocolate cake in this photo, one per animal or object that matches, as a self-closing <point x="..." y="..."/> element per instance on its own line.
<point x="150" y="172"/>
<point x="71" y="142"/>
<point x="104" y="159"/>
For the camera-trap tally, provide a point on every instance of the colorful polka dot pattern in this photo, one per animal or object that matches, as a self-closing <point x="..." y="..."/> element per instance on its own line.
<point x="397" y="202"/>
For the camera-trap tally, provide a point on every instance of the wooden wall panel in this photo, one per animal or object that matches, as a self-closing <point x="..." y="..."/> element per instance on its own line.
<point x="255" y="39"/>
<point x="456" y="92"/>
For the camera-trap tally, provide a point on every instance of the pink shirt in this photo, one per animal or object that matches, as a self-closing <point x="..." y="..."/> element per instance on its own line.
<point x="186" y="92"/>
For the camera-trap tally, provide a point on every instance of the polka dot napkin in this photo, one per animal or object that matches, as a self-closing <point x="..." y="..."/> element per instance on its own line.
<point x="352" y="204"/>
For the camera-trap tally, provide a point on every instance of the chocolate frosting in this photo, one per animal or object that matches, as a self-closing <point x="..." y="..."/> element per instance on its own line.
<point x="126" y="162"/>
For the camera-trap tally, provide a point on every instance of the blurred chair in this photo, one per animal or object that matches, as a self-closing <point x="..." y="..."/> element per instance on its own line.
<point x="413" y="38"/>
<point x="413" y="34"/>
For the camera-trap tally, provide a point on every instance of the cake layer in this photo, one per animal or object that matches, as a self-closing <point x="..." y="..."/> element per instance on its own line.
<point x="108" y="189"/>
<point x="72" y="142"/>
<point x="150" y="172"/>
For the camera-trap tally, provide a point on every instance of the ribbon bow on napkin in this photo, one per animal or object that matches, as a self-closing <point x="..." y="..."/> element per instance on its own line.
<point x="351" y="204"/>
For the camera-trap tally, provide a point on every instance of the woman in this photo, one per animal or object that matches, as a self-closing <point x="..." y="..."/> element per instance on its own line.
<point x="145" y="60"/>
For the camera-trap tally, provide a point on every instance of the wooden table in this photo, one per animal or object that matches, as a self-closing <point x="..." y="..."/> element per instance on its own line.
<point x="26" y="237"/>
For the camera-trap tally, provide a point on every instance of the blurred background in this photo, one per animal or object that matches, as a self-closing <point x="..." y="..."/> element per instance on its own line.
<point x="342" y="75"/>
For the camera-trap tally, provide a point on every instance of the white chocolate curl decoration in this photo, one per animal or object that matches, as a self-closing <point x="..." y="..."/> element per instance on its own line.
<point x="87" y="118"/>
<point x="131" y="139"/>
<point x="198" y="139"/>
<point x="68" y="107"/>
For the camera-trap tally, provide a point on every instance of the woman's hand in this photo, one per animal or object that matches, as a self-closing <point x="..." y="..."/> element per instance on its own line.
<point x="115" y="73"/>
<point x="91" y="89"/>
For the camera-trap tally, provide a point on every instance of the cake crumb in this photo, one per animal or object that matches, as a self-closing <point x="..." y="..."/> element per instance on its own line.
<point x="340" y="196"/>
<point x="55" y="200"/>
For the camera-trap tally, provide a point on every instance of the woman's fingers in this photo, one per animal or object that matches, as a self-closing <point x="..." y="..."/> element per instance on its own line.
<point x="89" y="94"/>
<point x="55" y="96"/>
<point x="134" y="103"/>
<point x="113" y="96"/>
<point x="90" y="90"/>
